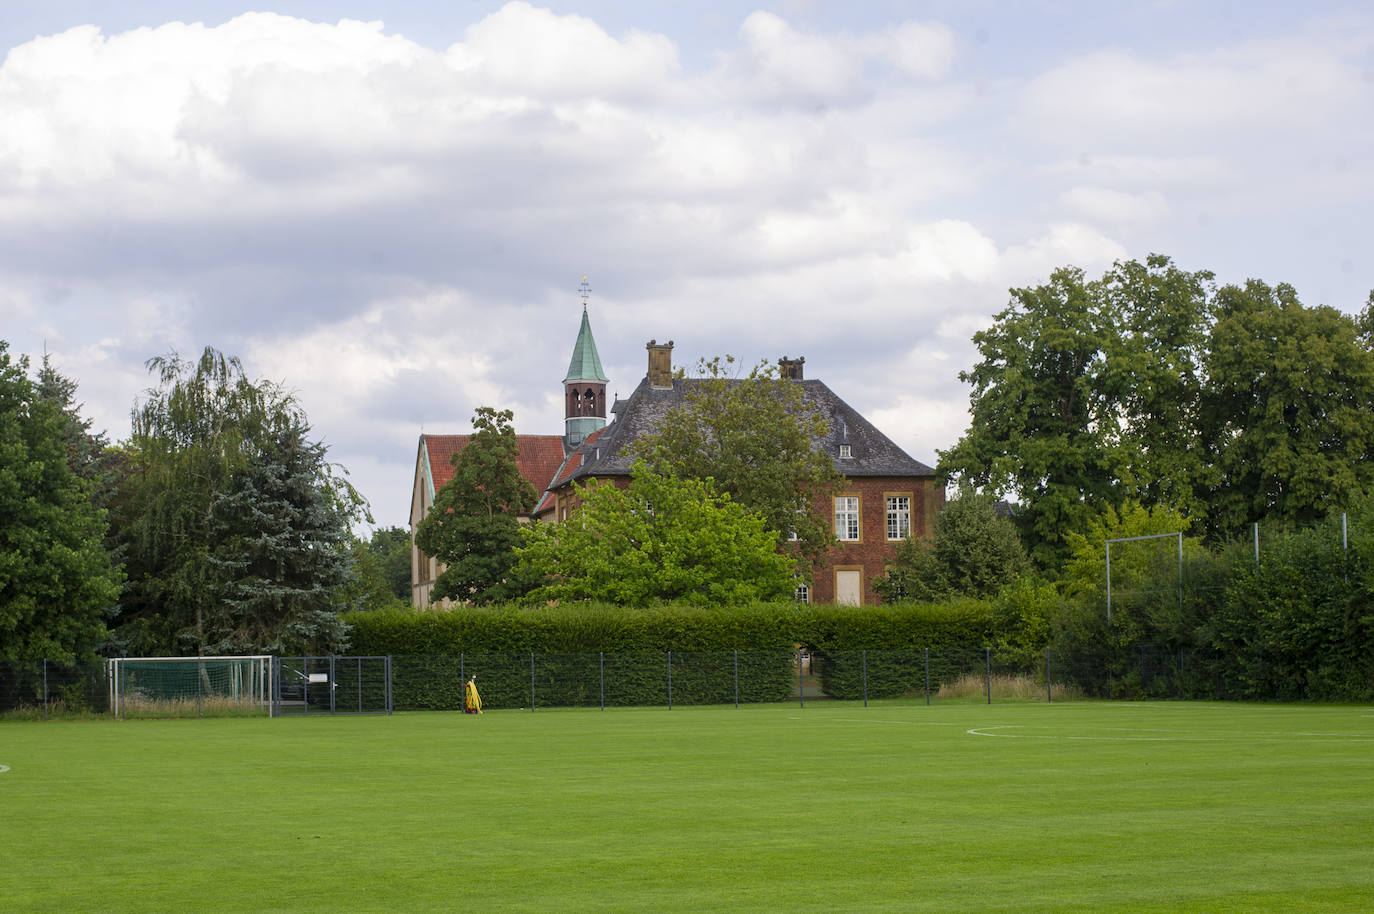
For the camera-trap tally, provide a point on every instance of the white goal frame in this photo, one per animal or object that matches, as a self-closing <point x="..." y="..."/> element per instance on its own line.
<point x="253" y="686"/>
<point x="1133" y="539"/>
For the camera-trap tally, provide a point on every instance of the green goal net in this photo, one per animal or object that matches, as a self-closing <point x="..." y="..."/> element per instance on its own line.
<point x="190" y="686"/>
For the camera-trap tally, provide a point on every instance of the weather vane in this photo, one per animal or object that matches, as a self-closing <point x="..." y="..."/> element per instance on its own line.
<point x="585" y="289"/>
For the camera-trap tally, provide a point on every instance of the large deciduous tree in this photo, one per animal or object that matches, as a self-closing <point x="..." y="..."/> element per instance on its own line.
<point x="206" y="445"/>
<point x="56" y="578"/>
<point x="1155" y="377"/>
<point x="473" y="527"/>
<point x="1045" y="427"/>
<point x="661" y="539"/>
<point x="753" y="438"/>
<point x="1229" y="405"/>
<point x="1287" y="416"/>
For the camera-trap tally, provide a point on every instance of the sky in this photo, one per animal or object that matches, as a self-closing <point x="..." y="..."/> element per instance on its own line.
<point x="389" y="207"/>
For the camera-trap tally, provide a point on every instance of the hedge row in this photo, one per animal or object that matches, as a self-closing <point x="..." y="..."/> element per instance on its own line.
<point x="434" y="682"/>
<point x="594" y="628"/>
<point x="586" y="654"/>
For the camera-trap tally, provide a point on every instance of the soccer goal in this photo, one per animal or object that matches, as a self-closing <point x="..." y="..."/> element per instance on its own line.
<point x="190" y="686"/>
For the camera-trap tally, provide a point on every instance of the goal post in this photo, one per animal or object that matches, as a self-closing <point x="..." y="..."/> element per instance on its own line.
<point x="1136" y="539"/>
<point x="182" y="686"/>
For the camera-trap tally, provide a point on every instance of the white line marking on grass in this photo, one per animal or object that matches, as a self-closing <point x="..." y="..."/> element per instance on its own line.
<point x="4" y="768"/>
<point x="1238" y="738"/>
<point x="983" y="731"/>
<point x="881" y="720"/>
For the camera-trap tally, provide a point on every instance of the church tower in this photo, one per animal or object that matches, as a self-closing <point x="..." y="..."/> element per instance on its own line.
<point x="584" y="387"/>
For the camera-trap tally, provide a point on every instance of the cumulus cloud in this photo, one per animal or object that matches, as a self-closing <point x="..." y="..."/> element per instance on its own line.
<point x="778" y="64"/>
<point x="396" y="230"/>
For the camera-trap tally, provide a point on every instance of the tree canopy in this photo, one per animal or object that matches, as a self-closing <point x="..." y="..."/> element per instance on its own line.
<point x="752" y="438"/>
<point x="473" y="527"/>
<point x="663" y="538"/>
<point x="972" y="552"/>
<point x="1229" y="405"/>
<point x="56" y="579"/>
<point x="215" y="497"/>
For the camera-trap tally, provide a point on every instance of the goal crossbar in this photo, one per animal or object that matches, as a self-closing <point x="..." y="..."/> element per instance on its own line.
<point x="245" y="680"/>
<point x="1133" y="539"/>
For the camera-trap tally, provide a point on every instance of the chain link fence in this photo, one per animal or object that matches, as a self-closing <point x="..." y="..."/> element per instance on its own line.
<point x="43" y="690"/>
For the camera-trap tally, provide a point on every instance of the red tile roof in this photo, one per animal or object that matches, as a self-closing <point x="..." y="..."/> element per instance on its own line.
<point x="538" y="459"/>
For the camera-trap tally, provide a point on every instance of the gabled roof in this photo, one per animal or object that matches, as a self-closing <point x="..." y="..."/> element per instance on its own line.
<point x="585" y="364"/>
<point x="538" y="460"/>
<point x="873" y="453"/>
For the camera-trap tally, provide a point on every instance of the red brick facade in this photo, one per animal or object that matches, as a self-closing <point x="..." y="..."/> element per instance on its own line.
<point x="869" y="554"/>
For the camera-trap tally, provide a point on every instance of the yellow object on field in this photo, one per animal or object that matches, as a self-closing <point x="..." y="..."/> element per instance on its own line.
<point x="472" y="702"/>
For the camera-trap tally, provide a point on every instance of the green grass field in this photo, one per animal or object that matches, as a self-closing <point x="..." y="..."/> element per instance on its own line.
<point x="1078" y="806"/>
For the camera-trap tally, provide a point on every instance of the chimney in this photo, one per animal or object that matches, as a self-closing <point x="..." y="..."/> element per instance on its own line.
<point x="791" y="369"/>
<point x="660" y="364"/>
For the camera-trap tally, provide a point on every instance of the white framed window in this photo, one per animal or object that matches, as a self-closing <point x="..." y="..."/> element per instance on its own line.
<point x="898" y="517"/>
<point x="803" y="593"/>
<point x="847" y="518"/>
<point x="846" y="451"/>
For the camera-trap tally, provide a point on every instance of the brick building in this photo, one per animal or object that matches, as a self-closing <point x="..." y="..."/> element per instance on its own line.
<point x="887" y="495"/>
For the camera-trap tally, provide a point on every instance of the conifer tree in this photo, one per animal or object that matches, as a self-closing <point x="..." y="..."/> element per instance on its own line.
<point x="280" y="551"/>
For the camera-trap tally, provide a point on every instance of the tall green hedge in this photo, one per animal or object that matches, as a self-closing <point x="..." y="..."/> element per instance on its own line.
<point x="584" y="654"/>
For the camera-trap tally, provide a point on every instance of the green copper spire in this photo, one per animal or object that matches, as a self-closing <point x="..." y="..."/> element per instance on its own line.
<point x="586" y="363"/>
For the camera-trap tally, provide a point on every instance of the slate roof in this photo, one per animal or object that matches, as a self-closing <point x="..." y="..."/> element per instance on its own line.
<point x="539" y="459"/>
<point x="874" y="454"/>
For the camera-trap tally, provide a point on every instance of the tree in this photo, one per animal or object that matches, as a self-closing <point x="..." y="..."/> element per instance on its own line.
<point x="1045" y="426"/>
<point x="663" y="538"/>
<point x="1287" y="412"/>
<point x="88" y="452"/>
<point x="473" y="527"/>
<point x="280" y="553"/>
<point x="381" y="571"/>
<point x="56" y="578"/>
<point x="972" y="552"/>
<point x="1156" y="376"/>
<point x="205" y="434"/>
<point x="753" y="440"/>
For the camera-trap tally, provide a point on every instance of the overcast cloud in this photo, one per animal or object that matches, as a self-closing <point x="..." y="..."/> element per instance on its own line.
<point x="392" y="217"/>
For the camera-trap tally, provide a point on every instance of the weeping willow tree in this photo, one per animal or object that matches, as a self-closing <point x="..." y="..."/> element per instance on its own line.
<point x="233" y="524"/>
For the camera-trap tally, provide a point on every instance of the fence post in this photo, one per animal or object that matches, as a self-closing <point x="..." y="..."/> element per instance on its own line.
<point x="200" y="675"/>
<point x="987" y="654"/>
<point x="865" y="669"/>
<point x="601" y="663"/>
<point x="531" y="682"/>
<point x="1049" y="689"/>
<point x="801" y="686"/>
<point x="736" y="679"/>
<point x="1345" y="549"/>
<point x="670" y="680"/>
<point x="927" y="677"/>
<point x="45" y="688"/>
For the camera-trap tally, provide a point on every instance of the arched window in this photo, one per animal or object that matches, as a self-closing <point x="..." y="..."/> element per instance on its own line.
<point x="589" y="402"/>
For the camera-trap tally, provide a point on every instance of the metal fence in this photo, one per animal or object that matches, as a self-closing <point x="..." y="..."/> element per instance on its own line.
<point x="532" y="681"/>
